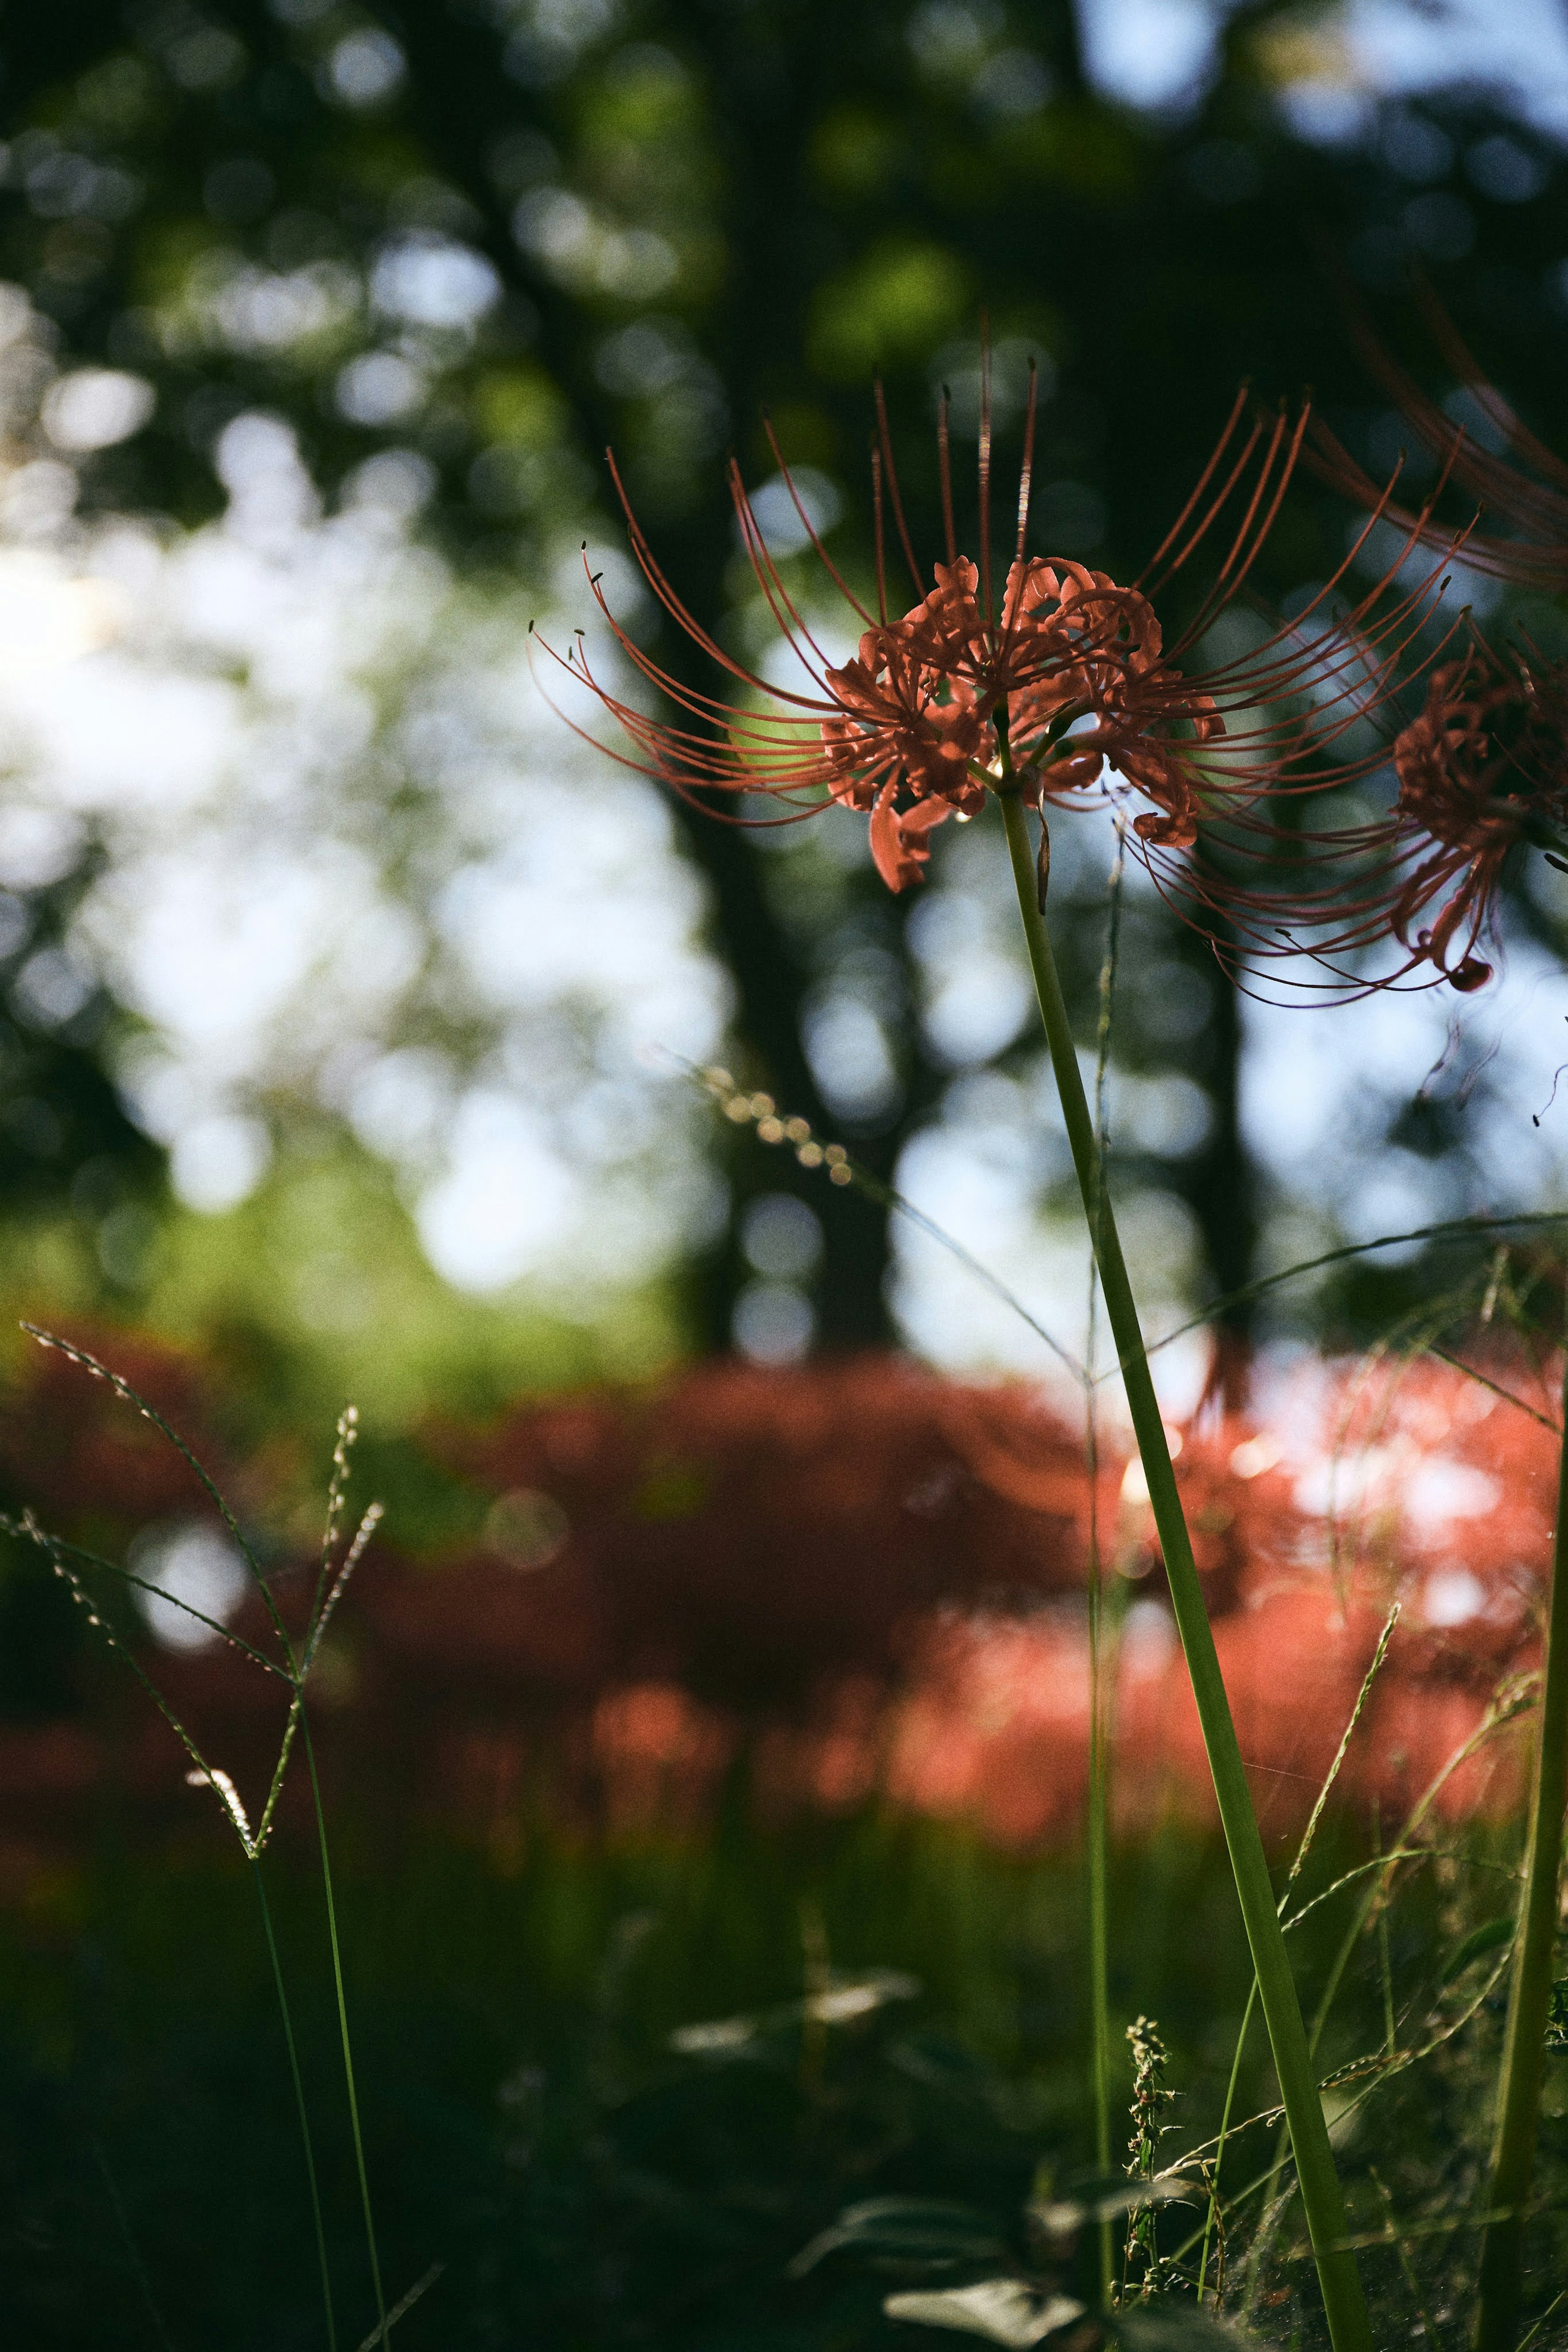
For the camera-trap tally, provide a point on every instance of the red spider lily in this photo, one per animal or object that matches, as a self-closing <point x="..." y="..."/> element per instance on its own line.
<point x="1485" y="765"/>
<point x="1481" y="769"/>
<point x="1064" y="684"/>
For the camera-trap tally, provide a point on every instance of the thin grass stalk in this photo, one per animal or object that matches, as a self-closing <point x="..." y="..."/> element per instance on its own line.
<point x="1407" y="2267"/>
<point x="133" y="2251"/>
<point x="1321" y="2194"/>
<point x="343" y="2034"/>
<point x="1212" y="2216"/>
<point x="300" y="2103"/>
<point x="1505" y="1706"/>
<point x="1550" y="2313"/>
<point x="1530" y="1994"/>
<point x="1303" y="1850"/>
<point x="1384" y="1964"/>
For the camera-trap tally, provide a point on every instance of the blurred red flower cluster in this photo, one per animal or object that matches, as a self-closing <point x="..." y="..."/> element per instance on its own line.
<point x="847" y="1580"/>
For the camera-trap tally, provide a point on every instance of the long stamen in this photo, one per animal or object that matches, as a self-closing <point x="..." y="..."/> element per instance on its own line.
<point x="877" y="519"/>
<point x="891" y="470"/>
<point x="945" y="460"/>
<point x="1026" y="471"/>
<point x="809" y="527"/>
<point x="1466" y="366"/>
<point x="985" y="468"/>
<point x="1239" y="558"/>
<point x="1217" y="505"/>
<point x="1220" y="447"/>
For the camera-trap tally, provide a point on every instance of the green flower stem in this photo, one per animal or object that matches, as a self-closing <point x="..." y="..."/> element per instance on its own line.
<point x="1529" y="1995"/>
<point x="1321" y="2193"/>
<point x="1104" y="1628"/>
<point x="1102" y="1670"/>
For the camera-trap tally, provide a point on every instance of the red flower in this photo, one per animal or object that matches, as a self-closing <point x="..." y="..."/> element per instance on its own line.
<point x="1069" y="666"/>
<point x="1484" y="767"/>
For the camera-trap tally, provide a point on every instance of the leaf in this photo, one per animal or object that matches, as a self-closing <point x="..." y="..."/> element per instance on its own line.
<point x="1108" y="2196"/>
<point x="907" y="2229"/>
<point x="1003" y="2310"/>
<point x="381" y="2332"/>
<point x="721" y="2037"/>
<point x="842" y="2002"/>
<point x="1173" y="2327"/>
<point x="1480" y="1939"/>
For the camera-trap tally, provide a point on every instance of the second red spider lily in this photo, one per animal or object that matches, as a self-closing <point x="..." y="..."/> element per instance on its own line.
<point x="1481" y="771"/>
<point x="1068" y="670"/>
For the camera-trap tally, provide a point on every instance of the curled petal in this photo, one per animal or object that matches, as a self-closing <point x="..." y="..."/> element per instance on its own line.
<point x="899" y="844"/>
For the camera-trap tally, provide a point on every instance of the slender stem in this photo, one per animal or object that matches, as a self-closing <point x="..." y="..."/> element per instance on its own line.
<point x="1212" y="2215"/>
<point x="300" y="2103"/>
<point x="1103" y="1631"/>
<point x="1529" y="1995"/>
<point x="1264" y="2236"/>
<point x="1101" y="1667"/>
<point x="1321" y="2194"/>
<point x="133" y="2249"/>
<point x="344" y="2032"/>
<point x="1385" y="1969"/>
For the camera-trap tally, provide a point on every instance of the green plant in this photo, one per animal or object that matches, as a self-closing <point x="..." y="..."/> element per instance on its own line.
<point x="292" y="1668"/>
<point x="1531" y="1991"/>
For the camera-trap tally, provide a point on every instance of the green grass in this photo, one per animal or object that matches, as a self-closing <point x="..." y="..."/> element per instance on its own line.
<point x="528" y="2127"/>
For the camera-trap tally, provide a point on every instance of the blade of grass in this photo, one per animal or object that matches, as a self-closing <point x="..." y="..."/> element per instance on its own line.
<point x="1448" y="1229"/>
<point x="1385" y="1969"/>
<point x="1303" y="1850"/>
<point x="403" y="2305"/>
<point x="133" y="2251"/>
<point x="59" y="1554"/>
<point x="1506" y="1703"/>
<point x="1530" y="1993"/>
<point x="300" y="2108"/>
<point x="382" y="2321"/>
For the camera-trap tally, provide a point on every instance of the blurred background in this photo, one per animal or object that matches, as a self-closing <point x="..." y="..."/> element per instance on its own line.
<point x="348" y="1000"/>
<point x="341" y="984"/>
